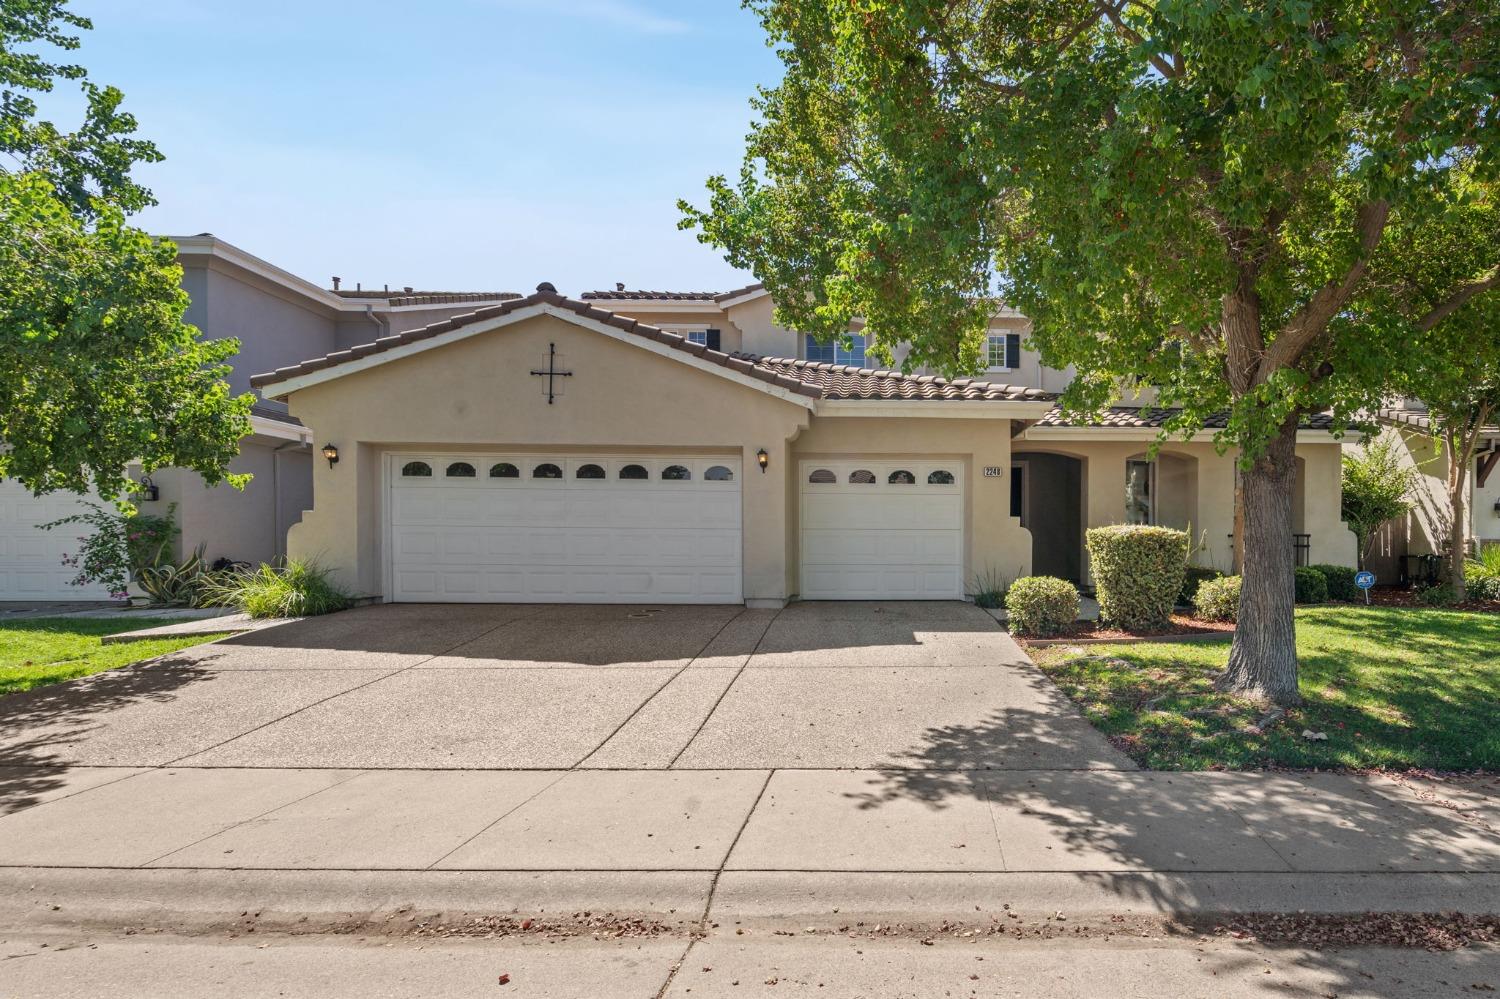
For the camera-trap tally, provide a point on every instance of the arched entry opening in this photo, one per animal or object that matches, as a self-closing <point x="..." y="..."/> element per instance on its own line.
<point x="1162" y="491"/>
<point x="1047" y="495"/>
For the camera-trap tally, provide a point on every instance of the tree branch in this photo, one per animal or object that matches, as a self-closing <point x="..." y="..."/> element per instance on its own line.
<point x="1313" y="318"/>
<point x="1458" y="300"/>
<point x="1112" y="13"/>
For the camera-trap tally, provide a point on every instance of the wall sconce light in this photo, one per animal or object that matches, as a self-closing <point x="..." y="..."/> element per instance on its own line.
<point x="146" y="490"/>
<point x="1497" y="508"/>
<point x="331" y="452"/>
<point x="763" y="459"/>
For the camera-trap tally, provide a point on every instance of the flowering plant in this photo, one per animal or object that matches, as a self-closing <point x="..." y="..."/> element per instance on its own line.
<point x="121" y="546"/>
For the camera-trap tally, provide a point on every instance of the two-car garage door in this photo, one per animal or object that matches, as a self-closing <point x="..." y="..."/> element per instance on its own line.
<point x="527" y="528"/>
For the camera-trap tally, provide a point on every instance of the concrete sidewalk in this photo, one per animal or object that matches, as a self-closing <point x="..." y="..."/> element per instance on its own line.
<point x="726" y="964"/>
<point x="745" y="843"/>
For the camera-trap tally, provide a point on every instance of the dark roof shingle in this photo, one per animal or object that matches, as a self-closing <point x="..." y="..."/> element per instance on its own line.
<point x="842" y="381"/>
<point x="404" y="297"/>
<point x="650" y="296"/>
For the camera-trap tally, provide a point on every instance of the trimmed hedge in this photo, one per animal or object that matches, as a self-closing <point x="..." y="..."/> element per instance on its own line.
<point x="1219" y="599"/>
<point x="1312" y="588"/>
<point x="1193" y="577"/>
<point x="1137" y="572"/>
<point x="1041" y="605"/>
<point x="1340" y="580"/>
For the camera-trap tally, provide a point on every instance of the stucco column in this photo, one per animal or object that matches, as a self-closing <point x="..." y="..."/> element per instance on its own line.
<point x="767" y="539"/>
<point x="332" y="526"/>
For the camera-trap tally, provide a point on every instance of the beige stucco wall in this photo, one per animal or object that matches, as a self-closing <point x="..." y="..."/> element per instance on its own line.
<point x="1426" y="528"/>
<point x="478" y="393"/>
<point x="248" y="525"/>
<point x="1195" y="488"/>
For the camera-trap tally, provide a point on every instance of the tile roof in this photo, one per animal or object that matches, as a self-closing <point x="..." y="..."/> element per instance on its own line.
<point x="736" y="293"/>
<point x="651" y="296"/>
<point x="404" y="297"/>
<point x="842" y="381"/>
<point x="811" y="379"/>
<point x="1151" y="418"/>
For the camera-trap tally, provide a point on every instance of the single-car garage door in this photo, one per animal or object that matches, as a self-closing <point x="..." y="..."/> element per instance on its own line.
<point x="882" y="530"/>
<point x="541" y="528"/>
<point x="31" y="566"/>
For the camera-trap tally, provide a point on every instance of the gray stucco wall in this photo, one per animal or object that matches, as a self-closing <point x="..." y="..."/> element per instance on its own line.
<point x="273" y="327"/>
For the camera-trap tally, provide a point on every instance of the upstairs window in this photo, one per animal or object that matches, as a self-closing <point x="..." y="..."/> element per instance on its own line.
<point x="704" y="335"/>
<point x="835" y="352"/>
<point x="1002" y="351"/>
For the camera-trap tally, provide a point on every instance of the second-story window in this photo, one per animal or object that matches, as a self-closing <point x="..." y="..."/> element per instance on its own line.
<point x="836" y="352"/>
<point x="1002" y="351"/>
<point x="696" y="333"/>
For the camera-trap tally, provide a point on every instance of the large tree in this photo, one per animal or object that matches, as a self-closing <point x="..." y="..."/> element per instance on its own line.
<point x="1438" y="252"/>
<point x="1184" y="194"/>
<point x="97" y="368"/>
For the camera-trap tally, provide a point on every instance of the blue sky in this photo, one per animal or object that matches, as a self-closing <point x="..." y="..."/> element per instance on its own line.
<point x="458" y="144"/>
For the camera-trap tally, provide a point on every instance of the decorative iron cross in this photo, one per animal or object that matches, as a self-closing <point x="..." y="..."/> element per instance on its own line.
<point x="551" y="371"/>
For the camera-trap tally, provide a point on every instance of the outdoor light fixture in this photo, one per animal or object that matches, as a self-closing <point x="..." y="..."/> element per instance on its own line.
<point x="763" y="459"/>
<point x="1497" y="508"/>
<point x="148" y="491"/>
<point x="331" y="452"/>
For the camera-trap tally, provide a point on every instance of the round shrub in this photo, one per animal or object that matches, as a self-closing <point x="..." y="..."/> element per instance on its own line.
<point x="1219" y="599"/>
<point x="1193" y="577"/>
<point x="1481" y="582"/>
<point x="1312" y="588"/>
<point x="1041" y="605"/>
<point x="1137" y="573"/>
<point x="1340" y="580"/>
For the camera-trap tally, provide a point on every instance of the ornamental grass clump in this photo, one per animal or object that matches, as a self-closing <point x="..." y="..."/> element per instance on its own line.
<point x="1041" y="605"/>
<point x="1138" y="573"/>
<point x="296" y="589"/>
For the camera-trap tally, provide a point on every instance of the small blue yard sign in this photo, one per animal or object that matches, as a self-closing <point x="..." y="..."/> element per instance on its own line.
<point x="1365" y="580"/>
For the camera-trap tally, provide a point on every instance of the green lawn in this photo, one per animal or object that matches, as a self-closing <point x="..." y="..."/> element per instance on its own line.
<point x="1391" y="687"/>
<point x="45" y="650"/>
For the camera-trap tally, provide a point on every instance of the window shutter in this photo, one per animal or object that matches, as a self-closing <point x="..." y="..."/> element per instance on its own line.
<point x="713" y="339"/>
<point x="1012" y="350"/>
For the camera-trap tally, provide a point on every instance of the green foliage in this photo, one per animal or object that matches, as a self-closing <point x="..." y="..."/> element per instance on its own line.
<point x="1185" y="194"/>
<point x="1041" y="605"/>
<point x="989" y="588"/>
<point x="1437" y="595"/>
<point x="1482" y="574"/>
<point x="296" y="589"/>
<point x="191" y="583"/>
<point x="97" y="368"/>
<point x="1218" y="599"/>
<point x="1377" y="487"/>
<point x="1194" y="576"/>
<point x="119" y="546"/>
<point x="1138" y="573"/>
<point x="1339" y="580"/>
<point x="1312" y="586"/>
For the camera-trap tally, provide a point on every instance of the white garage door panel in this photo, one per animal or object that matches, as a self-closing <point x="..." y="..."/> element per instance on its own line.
<point x="609" y="540"/>
<point x="882" y="540"/>
<point x="30" y="558"/>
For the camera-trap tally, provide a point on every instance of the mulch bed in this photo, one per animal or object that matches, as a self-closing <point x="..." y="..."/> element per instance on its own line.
<point x="1383" y="596"/>
<point x="1183" y="627"/>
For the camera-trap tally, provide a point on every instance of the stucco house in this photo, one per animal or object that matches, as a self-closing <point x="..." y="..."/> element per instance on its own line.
<point x="279" y="318"/>
<point x="1425" y="529"/>
<point x="632" y="446"/>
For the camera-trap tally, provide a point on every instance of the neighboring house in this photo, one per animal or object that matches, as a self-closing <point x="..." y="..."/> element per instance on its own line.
<point x="279" y="319"/>
<point x="681" y="447"/>
<point x="1425" y="529"/>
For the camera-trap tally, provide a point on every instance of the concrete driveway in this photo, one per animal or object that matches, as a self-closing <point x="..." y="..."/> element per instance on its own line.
<point x="695" y="761"/>
<point x="514" y="687"/>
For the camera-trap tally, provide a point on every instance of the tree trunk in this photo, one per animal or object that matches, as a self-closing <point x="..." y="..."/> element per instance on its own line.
<point x="1263" y="657"/>
<point x="1459" y="458"/>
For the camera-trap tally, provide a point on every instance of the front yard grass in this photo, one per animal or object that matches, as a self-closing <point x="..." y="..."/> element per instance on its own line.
<point x="38" y="651"/>
<point x="1391" y="688"/>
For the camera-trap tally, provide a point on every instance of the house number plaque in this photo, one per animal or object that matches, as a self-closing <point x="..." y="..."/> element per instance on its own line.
<point x="992" y="471"/>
